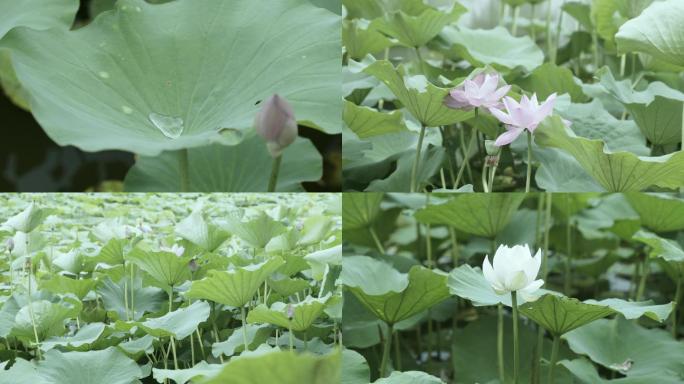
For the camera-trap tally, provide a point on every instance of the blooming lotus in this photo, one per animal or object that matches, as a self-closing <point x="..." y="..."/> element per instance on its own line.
<point x="514" y="269"/>
<point x="481" y="92"/>
<point x="276" y="123"/>
<point x="525" y="115"/>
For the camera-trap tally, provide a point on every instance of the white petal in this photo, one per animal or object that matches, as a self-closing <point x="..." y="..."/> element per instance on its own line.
<point x="533" y="265"/>
<point x="533" y="286"/>
<point x="516" y="281"/>
<point x="488" y="271"/>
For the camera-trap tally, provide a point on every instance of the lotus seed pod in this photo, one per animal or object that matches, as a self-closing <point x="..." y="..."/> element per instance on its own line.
<point x="276" y="123"/>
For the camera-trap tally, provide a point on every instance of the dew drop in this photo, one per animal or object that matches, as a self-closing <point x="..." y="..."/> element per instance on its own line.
<point x="229" y="136"/>
<point x="172" y="127"/>
<point x="104" y="75"/>
<point x="127" y="110"/>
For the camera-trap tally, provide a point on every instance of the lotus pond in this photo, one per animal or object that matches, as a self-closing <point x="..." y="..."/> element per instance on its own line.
<point x="141" y="288"/>
<point x="513" y="95"/>
<point x="423" y="304"/>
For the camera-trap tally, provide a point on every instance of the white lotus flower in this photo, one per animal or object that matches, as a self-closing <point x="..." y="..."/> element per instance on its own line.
<point x="514" y="270"/>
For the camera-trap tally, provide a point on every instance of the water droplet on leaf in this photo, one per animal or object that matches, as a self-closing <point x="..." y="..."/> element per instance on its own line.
<point x="127" y="110"/>
<point x="230" y="136"/>
<point x="172" y="127"/>
<point x="104" y="75"/>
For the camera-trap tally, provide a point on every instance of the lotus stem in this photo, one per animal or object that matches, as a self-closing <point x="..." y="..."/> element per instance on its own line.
<point x="290" y="334"/>
<point x="491" y="178"/>
<point x="644" y="276"/>
<point x="516" y="357"/>
<point x="183" y="170"/>
<point x="678" y="297"/>
<point x="376" y="239"/>
<point x="386" y="351"/>
<point x="170" y="299"/>
<point x="567" y="279"/>
<point x="416" y="163"/>
<point x="243" y="315"/>
<point x="514" y="26"/>
<point x="397" y="351"/>
<point x="549" y="37"/>
<point x="554" y="357"/>
<point x="532" y="17"/>
<point x="273" y="180"/>
<point x="529" y="162"/>
<point x="454" y="246"/>
<point x="172" y="340"/>
<point x="466" y="152"/>
<point x="499" y="342"/>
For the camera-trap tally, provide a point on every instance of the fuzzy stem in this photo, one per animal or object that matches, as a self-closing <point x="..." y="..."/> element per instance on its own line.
<point x="678" y="297"/>
<point x="473" y="137"/>
<point x="376" y="239"/>
<point x="416" y="163"/>
<point x="386" y="351"/>
<point x="243" y="316"/>
<point x="554" y="357"/>
<point x="644" y="277"/>
<point x="529" y="162"/>
<point x="273" y="180"/>
<point x="183" y="170"/>
<point x="516" y="362"/>
<point x="499" y="342"/>
<point x="173" y="350"/>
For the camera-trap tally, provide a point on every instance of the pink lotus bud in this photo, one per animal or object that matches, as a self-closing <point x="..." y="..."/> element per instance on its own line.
<point x="290" y="311"/>
<point x="276" y="123"/>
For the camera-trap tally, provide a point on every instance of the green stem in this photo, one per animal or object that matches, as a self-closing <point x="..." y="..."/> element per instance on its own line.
<point x="644" y="277"/>
<point x="516" y="362"/>
<point x="377" y="241"/>
<point x="678" y="297"/>
<point x="529" y="162"/>
<point x="499" y="342"/>
<point x="554" y="357"/>
<point x="397" y="351"/>
<point x="173" y="349"/>
<point x="557" y="36"/>
<point x="243" y="316"/>
<point x="549" y="37"/>
<point x="416" y="163"/>
<point x="290" y="334"/>
<point x="568" y="270"/>
<point x="466" y="153"/>
<point x="386" y="351"/>
<point x="532" y="25"/>
<point x="183" y="170"/>
<point x="454" y="246"/>
<point x="273" y="180"/>
<point x="171" y="298"/>
<point x="514" y="27"/>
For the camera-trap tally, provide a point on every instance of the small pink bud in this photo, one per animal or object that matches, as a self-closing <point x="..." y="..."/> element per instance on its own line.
<point x="290" y="311"/>
<point x="276" y="123"/>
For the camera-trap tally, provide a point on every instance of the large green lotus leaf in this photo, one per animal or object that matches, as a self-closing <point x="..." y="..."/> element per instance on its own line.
<point x="495" y="47"/>
<point x="181" y="376"/>
<point x="367" y="122"/>
<point x="423" y="99"/>
<point x="587" y="373"/>
<point x="549" y="78"/>
<point x="658" y="212"/>
<point x="140" y="299"/>
<point x="236" y="286"/>
<point x="220" y="168"/>
<point x="49" y="319"/>
<point x="580" y="12"/>
<point x="478" y="338"/>
<point x="62" y="285"/>
<point x="34" y="14"/>
<point x="636" y="309"/>
<point x="109" y="366"/>
<point x="355" y="368"/>
<point x="431" y="161"/>
<point x="256" y="232"/>
<point x="167" y="269"/>
<point x="360" y="209"/>
<point x="320" y="260"/>
<point x="21" y="372"/>
<point x="611" y="343"/>
<point x="180" y="323"/>
<point x="235" y="343"/>
<point x="409" y="377"/>
<point x="149" y="78"/>
<point x="666" y="249"/>
<point x="657" y="110"/>
<point x="592" y="121"/>
<point x="559" y="315"/>
<point x="304" y="313"/>
<point x="282" y="368"/>
<point x="560" y="172"/>
<point x="315" y="229"/>
<point x="81" y="341"/>
<point x="28" y="219"/>
<point x="9" y="310"/>
<point x="658" y="31"/>
<point x="420" y="24"/>
<point x="469" y="283"/>
<point x="480" y="215"/>
<point x="393" y="296"/>
<point x="360" y="37"/>
<point x="197" y="230"/>
<point x="618" y="171"/>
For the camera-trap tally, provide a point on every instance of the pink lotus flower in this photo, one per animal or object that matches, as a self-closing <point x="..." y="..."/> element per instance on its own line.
<point x="480" y="92"/>
<point x="526" y="115"/>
